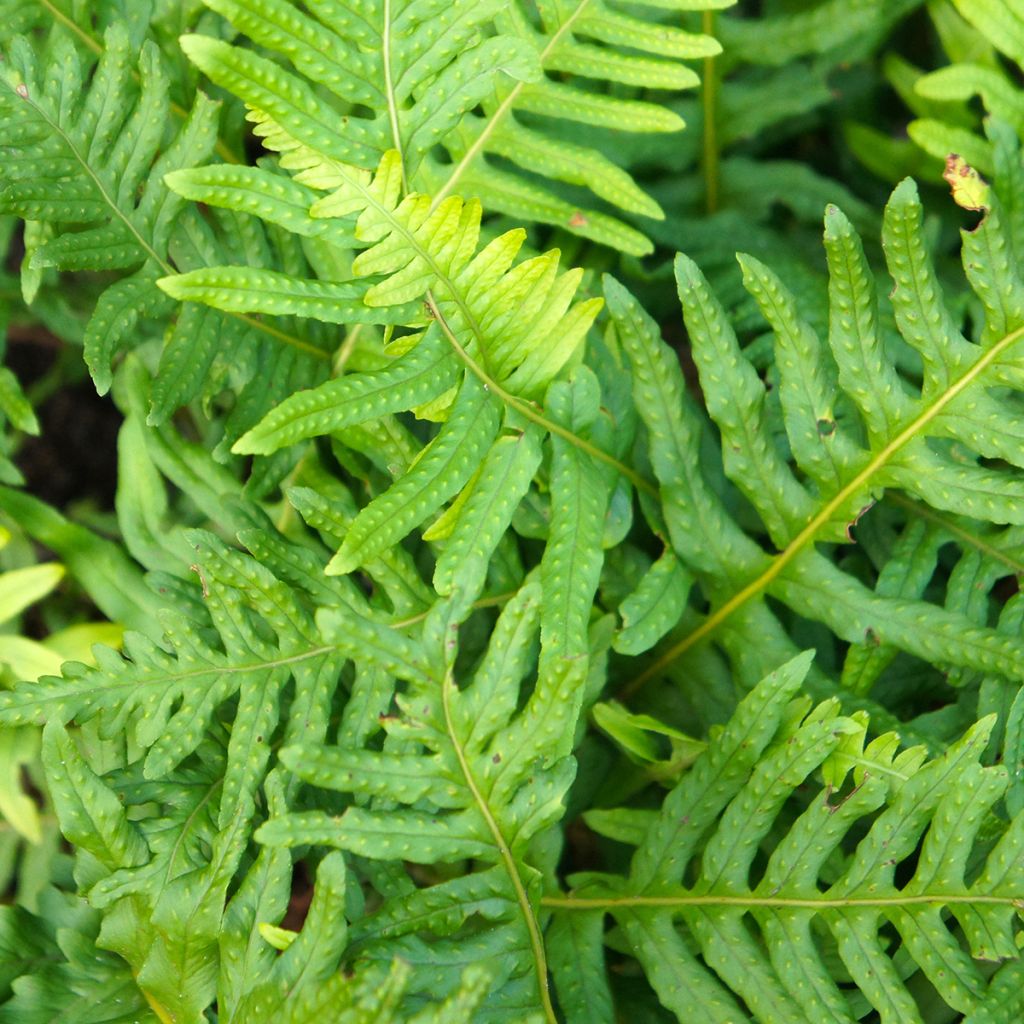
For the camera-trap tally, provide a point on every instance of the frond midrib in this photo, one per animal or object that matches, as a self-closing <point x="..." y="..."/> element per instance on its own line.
<point x="505" y="852"/>
<point x="684" y="900"/>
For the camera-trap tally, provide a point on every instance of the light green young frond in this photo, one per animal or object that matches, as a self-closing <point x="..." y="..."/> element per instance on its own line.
<point x="783" y="935"/>
<point x="492" y="334"/>
<point x="517" y="320"/>
<point x="855" y="427"/>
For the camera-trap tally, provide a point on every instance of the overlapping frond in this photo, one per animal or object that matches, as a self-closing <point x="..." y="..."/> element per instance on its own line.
<point x="423" y="71"/>
<point x="61" y="971"/>
<point x="92" y="153"/>
<point x="239" y="667"/>
<point x="462" y="775"/>
<point x="163" y="893"/>
<point x="497" y="333"/>
<point x="887" y="869"/>
<point x="86" y="148"/>
<point x="171" y="695"/>
<point x="848" y="426"/>
<point x="982" y="36"/>
<point x="578" y="44"/>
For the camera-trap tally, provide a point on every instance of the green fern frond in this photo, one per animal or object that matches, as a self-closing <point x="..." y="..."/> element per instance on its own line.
<point x="301" y="984"/>
<point x="990" y="34"/>
<point x="488" y="781"/>
<point x="472" y="775"/>
<point x="416" y="248"/>
<point x="171" y="695"/>
<point x="65" y="973"/>
<point x="86" y="151"/>
<point x="497" y="333"/>
<point x="95" y="156"/>
<point x="854" y="427"/>
<point x="826" y="26"/>
<point x="723" y="936"/>
<point x="421" y="71"/>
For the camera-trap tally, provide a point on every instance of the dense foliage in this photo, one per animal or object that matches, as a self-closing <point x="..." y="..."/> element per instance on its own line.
<point x="441" y="581"/>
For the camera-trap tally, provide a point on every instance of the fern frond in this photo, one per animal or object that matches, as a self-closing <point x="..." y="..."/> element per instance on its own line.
<point x="171" y="695"/>
<point x="93" y="157"/>
<point x="853" y="428"/>
<point x="823" y="27"/>
<point x="488" y="780"/>
<point x="59" y="970"/>
<point x="472" y="776"/>
<point x="86" y="151"/>
<point x="950" y="125"/>
<point x="417" y="249"/>
<point x="421" y="71"/>
<point x="497" y="333"/>
<point x="714" y="931"/>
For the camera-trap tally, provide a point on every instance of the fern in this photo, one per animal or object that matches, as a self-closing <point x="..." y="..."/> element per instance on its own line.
<point x="989" y="31"/>
<point x="407" y="68"/>
<point x="464" y="663"/>
<point x="105" y="155"/>
<point x="502" y="363"/>
<point x="715" y="932"/>
<point x="853" y="427"/>
<point x="488" y="782"/>
<point x="99" y="151"/>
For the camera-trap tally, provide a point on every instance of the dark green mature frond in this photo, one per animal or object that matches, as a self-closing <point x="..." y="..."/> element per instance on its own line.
<point x="462" y="775"/>
<point x="891" y="861"/>
<point x="86" y="149"/>
<point x="421" y="69"/>
<point x="852" y="427"/>
<point x="170" y="695"/>
<point x="838" y="26"/>
<point x="93" y="153"/>
<point x="578" y="44"/>
<point x="993" y="30"/>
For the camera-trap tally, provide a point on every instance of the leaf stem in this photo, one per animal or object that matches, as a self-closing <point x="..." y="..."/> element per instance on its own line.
<point x="681" y="902"/>
<point x="807" y="536"/>
<point x="709" y="103"/>
<point x="389" y="92"/>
